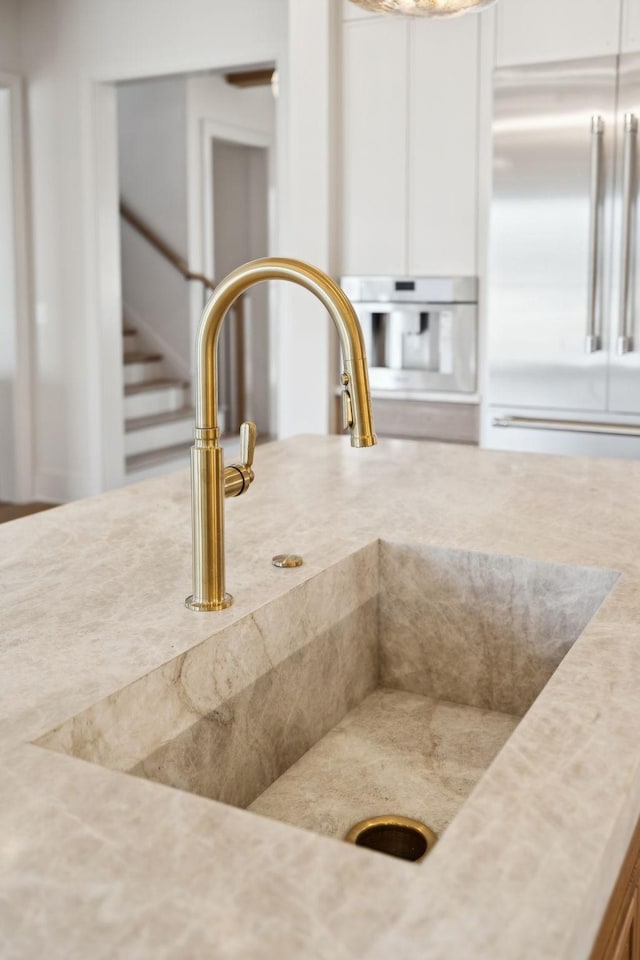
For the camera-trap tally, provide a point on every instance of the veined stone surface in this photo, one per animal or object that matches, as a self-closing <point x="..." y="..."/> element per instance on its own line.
<point x="480" y="628"/>
<point x="396" y="752"/>
<point x="97" y="863"/>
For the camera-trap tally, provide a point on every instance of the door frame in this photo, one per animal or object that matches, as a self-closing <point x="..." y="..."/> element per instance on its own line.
<point x="21" y="479"/>
<point x="107" y="441"/>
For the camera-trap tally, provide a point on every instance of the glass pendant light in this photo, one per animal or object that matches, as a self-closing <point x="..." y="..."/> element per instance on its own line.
<point x="424" y="8"/>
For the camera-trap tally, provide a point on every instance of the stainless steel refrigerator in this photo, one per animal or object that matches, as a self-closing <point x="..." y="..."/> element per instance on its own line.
<point x="564" y="278"/>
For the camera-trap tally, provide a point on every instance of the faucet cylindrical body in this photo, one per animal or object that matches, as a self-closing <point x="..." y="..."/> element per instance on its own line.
<point x="207" y="520"/>
<point x="207" y="467"/>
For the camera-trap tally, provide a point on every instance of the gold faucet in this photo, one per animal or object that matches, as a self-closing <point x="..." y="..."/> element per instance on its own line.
<point x="210" y="480"/>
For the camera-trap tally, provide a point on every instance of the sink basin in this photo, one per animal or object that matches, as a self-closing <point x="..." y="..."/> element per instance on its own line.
<point x="386" y="683"/>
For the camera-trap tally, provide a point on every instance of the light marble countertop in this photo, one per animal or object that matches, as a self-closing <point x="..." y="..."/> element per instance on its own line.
<point x="95" y="863"/>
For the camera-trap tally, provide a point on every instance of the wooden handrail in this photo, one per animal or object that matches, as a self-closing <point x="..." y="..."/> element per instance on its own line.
<point x="163" y="248"/>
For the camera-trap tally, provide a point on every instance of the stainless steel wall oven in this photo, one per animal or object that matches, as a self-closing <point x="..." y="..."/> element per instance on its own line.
<point x="421" y="340"/>
<point x="420" y="332"/>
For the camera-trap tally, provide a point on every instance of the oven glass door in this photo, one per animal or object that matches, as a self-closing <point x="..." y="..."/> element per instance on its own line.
<point x="420" y="346"/>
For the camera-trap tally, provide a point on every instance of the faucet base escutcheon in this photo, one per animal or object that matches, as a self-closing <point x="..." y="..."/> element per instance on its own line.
<point x="205" y="605"/>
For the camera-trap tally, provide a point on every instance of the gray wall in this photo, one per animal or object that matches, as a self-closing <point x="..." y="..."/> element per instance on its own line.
<point x="153" y="181"/>
<point x="9" y="36"/>
<point x="240" y="204"/>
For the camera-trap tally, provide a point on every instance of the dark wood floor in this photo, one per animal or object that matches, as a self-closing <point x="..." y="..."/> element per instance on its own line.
<point x="13" y="511"/>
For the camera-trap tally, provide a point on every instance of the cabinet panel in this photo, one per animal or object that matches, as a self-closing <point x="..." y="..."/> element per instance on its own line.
<point x="352" y="12"/>
<point x="624" y="945"/>
<point x="443" y="148"/>
<point x="619" y="934"/>
<point x="548" y="30"/>
<point x="630" y="26"/>
<point x="375" y="147"/>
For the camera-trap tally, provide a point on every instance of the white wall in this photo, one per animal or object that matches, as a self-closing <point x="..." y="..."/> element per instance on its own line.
<point x="15" y="313"/>
<point x="9" y="62"/>
<point x="69" y="48"/>
<point x="8" y="346"/>
<point x="210" y="97"/>
<point x="306" y="344"/>
<point x="152" y="163"/>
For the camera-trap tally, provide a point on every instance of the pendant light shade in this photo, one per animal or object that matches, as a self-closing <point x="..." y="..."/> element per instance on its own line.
<point x="424" y="8"/>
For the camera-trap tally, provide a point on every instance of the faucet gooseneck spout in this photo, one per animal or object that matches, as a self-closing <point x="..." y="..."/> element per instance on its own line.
<point x="210" y="481"/>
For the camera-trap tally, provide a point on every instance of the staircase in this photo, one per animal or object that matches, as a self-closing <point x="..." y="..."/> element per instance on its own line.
<point x="158" y="414"/>
<point x="159" y="418"/>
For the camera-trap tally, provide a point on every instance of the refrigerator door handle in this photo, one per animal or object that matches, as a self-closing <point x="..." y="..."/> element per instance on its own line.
<point x="593" y="339"/>
<point x="569" y="426"/>
<point x="624" y="342"/>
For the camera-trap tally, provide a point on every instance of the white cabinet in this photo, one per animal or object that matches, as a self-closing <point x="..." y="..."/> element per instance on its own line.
<point x="443" y="147"/>
<point x="547" y="30"/>
<point x="375" y="147"/>
<point x="351" y="11"/>
<point x="410" y="113"/>
<point x="630" y="26"/>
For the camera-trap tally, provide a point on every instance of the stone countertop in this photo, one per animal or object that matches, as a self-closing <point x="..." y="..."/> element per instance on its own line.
<point x="95" y="863"/>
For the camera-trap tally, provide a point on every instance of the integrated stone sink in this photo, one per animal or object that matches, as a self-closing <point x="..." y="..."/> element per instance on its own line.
<point x="386" y="683"/>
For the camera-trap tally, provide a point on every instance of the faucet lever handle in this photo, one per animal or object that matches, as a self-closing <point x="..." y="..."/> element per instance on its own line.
<point x="248" y="437"/>
<point x="239" y="476"/>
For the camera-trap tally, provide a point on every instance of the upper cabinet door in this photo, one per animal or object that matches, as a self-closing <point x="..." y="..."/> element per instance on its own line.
<point x="375" y="146"/>
<point x="547" y="30"/>
<point x="350" y="11"/>
<point x="443" y="146"/>
<point x="630" y="26"/>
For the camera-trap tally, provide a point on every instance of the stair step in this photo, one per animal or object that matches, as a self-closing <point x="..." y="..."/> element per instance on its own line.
<point x="159" y="384"/>
<point x="140" y="423"/>
<point x="142" y="367"/>
<point x="137" y="356"/>
<point x="144" y="434"/>
<point x="152" y="397"/>
<point x="178" y="453"/>
<point x="129" y="339"/>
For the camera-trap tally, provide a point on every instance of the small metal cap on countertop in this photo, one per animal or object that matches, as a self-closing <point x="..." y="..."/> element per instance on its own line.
<point x="287" y="560"/>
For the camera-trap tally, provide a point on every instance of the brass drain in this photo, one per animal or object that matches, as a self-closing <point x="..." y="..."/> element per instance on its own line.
<point x="397" y="836"/>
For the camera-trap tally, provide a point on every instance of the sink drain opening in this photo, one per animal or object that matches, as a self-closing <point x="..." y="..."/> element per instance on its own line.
<point x="397" y="836"/>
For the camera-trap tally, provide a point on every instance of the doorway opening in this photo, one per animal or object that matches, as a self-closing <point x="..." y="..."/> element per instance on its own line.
<point x="197" y="197"/>
<point x="240" y="232"/>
